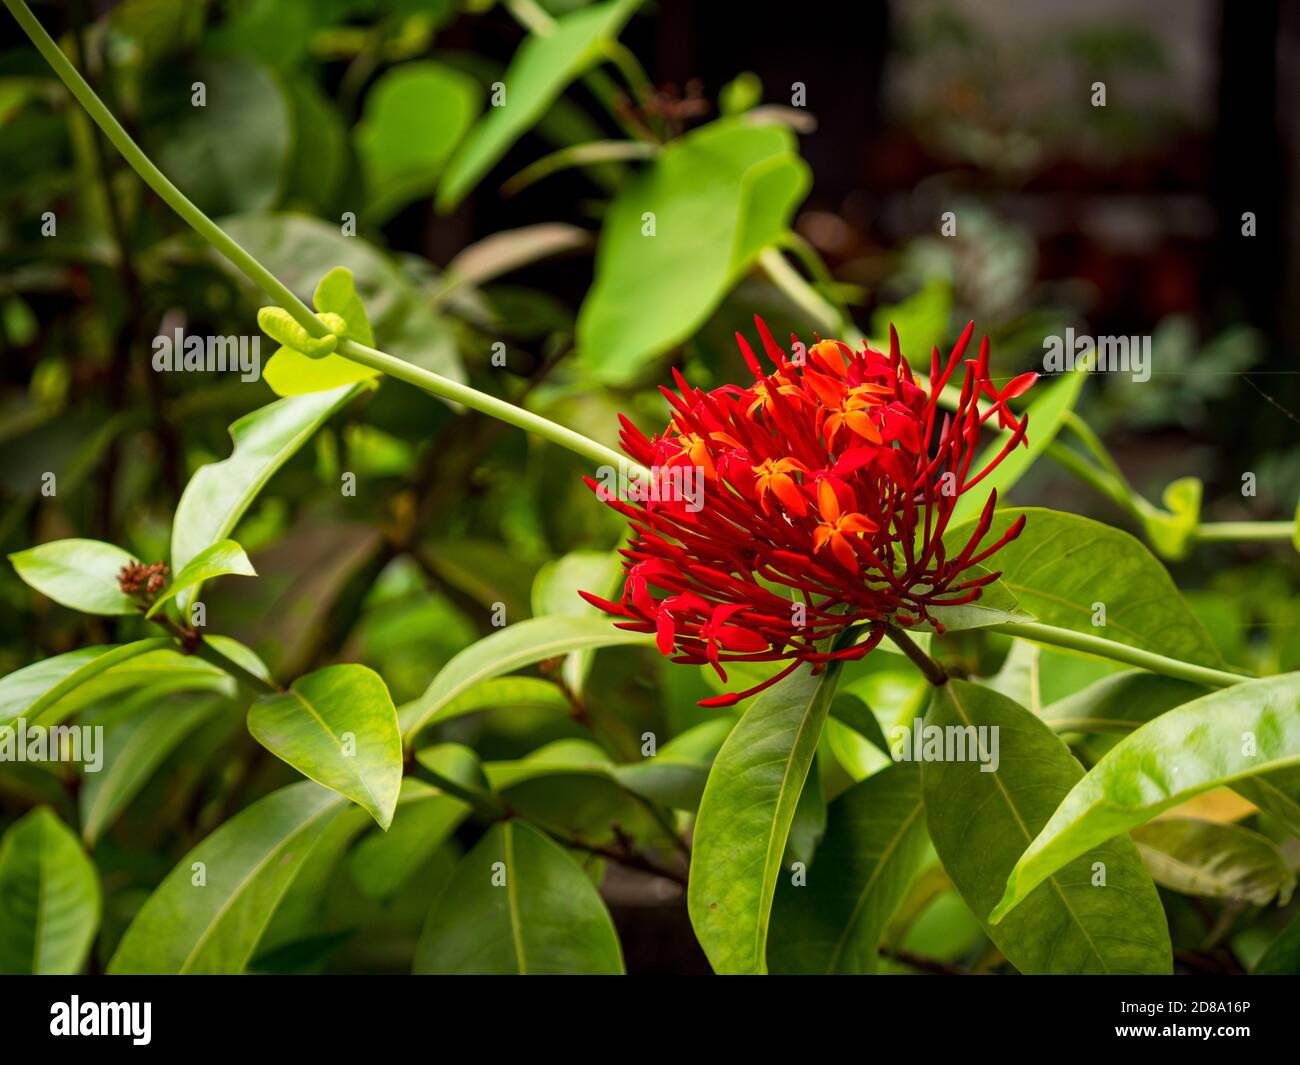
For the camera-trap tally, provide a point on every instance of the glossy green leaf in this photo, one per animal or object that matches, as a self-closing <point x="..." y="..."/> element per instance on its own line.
<point x="745" y="817"/>
<point x="426" y="817"/>
<point x="209" y="913"/>
<point x="540" y="70"/>
<point x="1247" y="729"/>
<point x="337" y="726"/>
<point x="715" y="198"/>
<point x="521" y="644"/>
<point x="1052" y="401"/>
<point x="152" y="727"/>
<point x="995" y="606"/>
<point x="1101" y="913"/>
<point x="415" y="115"/>
<point x="1215" y="860"/>
<point x="1120" y="702"/>
<point x="49" y="898"/>
<point x="222" y="558"/>
<point x="1276" y="793"/>
<point x="219" y="494"/>
<point x="32" y="690"/>
<point x="518" y="904"/>
<point x="875" y="844"/>
<point x="1063" y="569"/>
<point x="81" y="574"/>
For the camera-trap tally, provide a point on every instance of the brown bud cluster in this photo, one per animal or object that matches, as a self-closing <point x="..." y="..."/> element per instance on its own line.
<point x="139" y="579"/>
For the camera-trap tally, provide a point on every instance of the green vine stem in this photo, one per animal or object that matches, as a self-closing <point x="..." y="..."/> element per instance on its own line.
<point x="270" y="284"/>
<point x="1246" y="530"/>
<point x="1133" y="656"/>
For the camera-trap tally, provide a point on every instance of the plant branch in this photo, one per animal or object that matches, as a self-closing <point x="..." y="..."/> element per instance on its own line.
<point x="933" y="672"/>
<point x="806" y="298"/>
<point x="1133" y="656"/>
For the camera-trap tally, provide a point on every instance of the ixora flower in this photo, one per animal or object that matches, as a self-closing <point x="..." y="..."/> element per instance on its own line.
<point x="829" y="485"/>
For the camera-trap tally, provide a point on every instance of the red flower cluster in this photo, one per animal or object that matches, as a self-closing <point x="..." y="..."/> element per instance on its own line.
<point x="833" y="477"/>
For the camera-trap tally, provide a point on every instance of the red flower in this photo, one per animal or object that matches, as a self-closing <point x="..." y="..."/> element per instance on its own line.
<point x="827" y="487"/>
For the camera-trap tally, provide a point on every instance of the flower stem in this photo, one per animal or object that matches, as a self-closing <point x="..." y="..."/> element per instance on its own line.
<point x="1133" y="656"/>
<point x="933" y="672"/>
<point x="276" y="289"/>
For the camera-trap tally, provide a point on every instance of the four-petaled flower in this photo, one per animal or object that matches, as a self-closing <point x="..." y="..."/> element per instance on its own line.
<point x="831" y="482"/>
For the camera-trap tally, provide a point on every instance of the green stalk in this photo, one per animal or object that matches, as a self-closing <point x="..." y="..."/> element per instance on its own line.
<point x="1246" y="530"/>
<point x="486" y="404"/>
<point x="432" y="383"/>
<point x="806" y="298"/>
<point x="1133" y="656"/>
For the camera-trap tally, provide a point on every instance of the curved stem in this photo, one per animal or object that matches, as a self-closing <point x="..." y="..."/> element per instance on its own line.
<point x="933" y="672"/>
<point x="1133" y="656"/>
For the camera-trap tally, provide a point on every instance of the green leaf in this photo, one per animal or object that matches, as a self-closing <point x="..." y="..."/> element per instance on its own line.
<point x="981" y="821"/>
<point x="875" y="844"/>
<point x="540" y="70"/>
<point x="1062" y="567"/>
<point x="209" y="913"/>
<point x="1046" y="413"/>
<point x="337" y="726"/>
<point x="1215" y="861"/>
<point x="745" y="817"/>
<point x="1277" y="794"/>
<point x="81" y="574"/>
<point x="1244" y="730"/>
<point x="32" y="690"/>
<point x="502" y="693"/>
<point x="231" y="154"/>
<point x="555" y="591"/>
<point x="218" y="494"/>
<point x="718" y="196"/>
<point x="1282" y="958"/>
<point x="415" y="115"/>
<point x="521" y="644"/>
<point x="921" y="322"/>
<point x="1172" y="532"/>
<point x="49" y="898"/>
<point x="518" y="904"/>
<point x="218" y="560"/>
<point x="134" y="747"/>
<point x="426" y="817"/>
